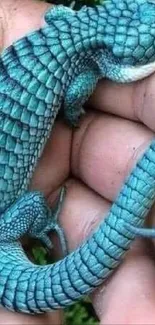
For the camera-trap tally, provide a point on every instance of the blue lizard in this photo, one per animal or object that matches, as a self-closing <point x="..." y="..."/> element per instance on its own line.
<point x="61" y="64"/>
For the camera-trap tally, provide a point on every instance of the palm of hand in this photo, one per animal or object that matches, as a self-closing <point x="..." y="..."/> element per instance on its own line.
<point x="90" y="160"/>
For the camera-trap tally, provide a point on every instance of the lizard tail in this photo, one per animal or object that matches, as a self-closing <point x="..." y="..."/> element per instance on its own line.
<point x="30" y="288"/>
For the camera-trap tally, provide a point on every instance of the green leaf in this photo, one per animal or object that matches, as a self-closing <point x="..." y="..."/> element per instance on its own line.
<point x="79" y="314"/>
<point x="78" y="4"/>
<point x="40" y="255"/>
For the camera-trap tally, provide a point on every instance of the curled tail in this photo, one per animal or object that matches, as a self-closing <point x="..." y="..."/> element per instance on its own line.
<point x="29" y="288"/>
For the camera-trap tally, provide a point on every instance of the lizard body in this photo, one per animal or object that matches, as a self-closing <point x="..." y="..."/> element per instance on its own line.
<point x="62" y="63"/>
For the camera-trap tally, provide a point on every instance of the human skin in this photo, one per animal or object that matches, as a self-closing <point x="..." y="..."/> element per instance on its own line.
<point x="93" y="162"/>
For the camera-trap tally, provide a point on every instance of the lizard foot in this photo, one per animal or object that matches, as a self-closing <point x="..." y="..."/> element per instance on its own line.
<point x="31" y="215"/>
<point x="143" y="232"/>
<point x="77" y="94"/>
<point x="53" y="224"/>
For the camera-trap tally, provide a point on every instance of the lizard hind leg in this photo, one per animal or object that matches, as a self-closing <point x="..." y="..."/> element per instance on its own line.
<point x="30" y="215"/>
<point x="51" y="224"/>
<point x="77" y="94"/>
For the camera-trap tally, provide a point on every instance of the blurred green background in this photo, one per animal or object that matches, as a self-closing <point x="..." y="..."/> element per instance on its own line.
<point x="82" y="313"/>
<point x="78" y="4"/>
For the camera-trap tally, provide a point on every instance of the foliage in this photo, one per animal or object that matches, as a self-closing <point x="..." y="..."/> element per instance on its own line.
<point x="77" y="4"/>
<point x="40" y="255"/>
<point x="79" y="314"/>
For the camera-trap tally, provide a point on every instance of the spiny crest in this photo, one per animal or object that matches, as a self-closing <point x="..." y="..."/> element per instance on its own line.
<point x="58" y="12"/>
<point x="61" y="13"/>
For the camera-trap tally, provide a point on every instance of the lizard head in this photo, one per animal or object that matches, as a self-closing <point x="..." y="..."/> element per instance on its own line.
<point x="130" y="30"/>
<point x="120" y="33"/>
<point x="129" y="38"/>
<point x="124" y="27"/>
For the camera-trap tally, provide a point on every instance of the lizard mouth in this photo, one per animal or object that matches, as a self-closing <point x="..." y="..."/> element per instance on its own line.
<point x="133" y="73"/>
<point x="114" y="69"/>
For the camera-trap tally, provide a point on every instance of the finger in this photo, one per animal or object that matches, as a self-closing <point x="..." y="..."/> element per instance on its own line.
<point x="105" y="149"/>
<point x="54" y="165"/>
<point x="82" y="211"/>
<point x="19" y="18"/>
<point x="133" y="101"/>
<point x="18" y="319"/>
<point x="128" y="297"/>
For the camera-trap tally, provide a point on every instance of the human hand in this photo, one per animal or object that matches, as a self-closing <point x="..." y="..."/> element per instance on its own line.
<point x="94" y="161"/>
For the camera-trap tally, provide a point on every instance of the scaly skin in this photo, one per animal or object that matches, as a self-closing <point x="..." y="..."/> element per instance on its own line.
<point x="62" y="62"/>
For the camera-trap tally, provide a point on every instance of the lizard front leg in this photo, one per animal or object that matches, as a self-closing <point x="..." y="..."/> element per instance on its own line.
<point x="78" y="92"/>
<point x="31" y="215"/>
